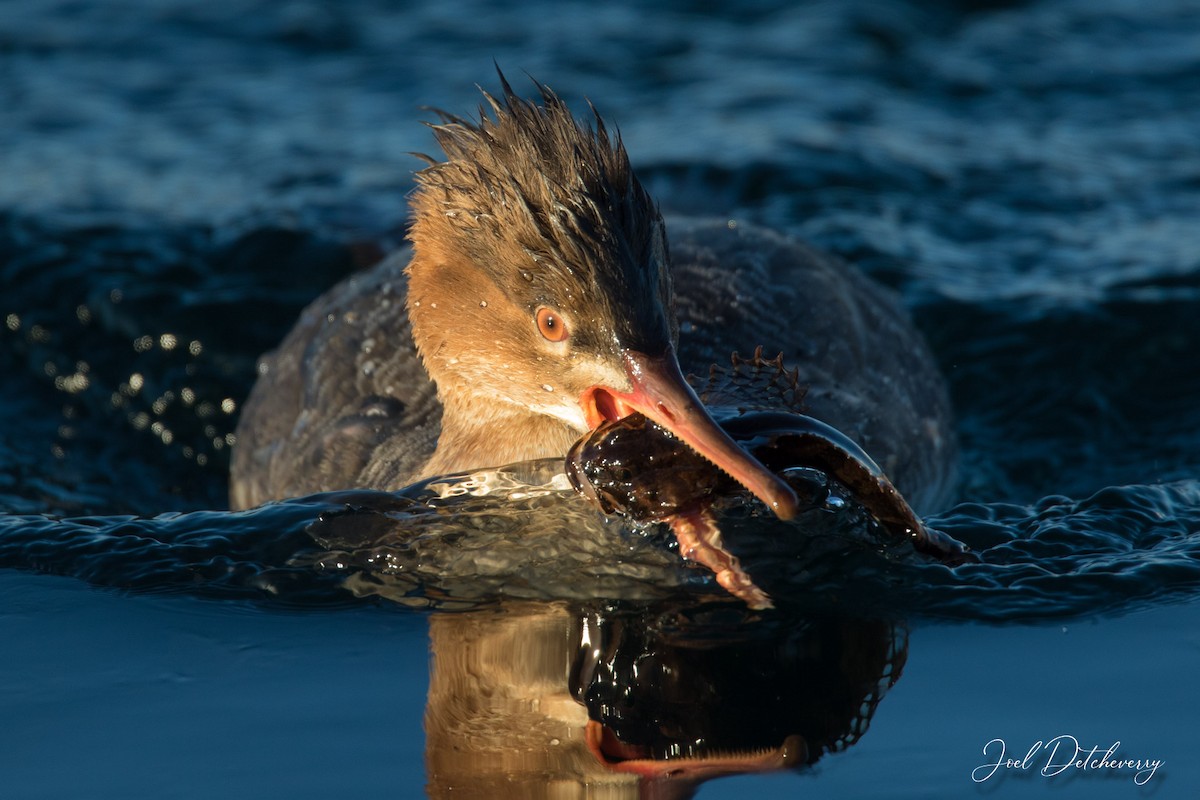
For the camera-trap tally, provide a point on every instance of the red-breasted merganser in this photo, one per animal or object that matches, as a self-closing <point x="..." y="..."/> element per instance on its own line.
<point x="540" y="298"/>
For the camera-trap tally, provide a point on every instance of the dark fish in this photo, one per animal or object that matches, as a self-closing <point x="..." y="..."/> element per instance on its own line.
<point x="638" y="469"/>
<point x="635" y="467"/>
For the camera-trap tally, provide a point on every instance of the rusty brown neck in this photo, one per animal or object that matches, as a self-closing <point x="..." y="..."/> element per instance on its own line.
<point x="467" y="332"/>
<point x="479" y="434"/>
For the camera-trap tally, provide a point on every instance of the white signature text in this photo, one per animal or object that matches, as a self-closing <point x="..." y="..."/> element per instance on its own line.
<point x="1056" y="756"/>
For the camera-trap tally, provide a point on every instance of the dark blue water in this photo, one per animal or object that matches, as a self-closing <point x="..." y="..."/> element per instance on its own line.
<point x="179" y="179"/>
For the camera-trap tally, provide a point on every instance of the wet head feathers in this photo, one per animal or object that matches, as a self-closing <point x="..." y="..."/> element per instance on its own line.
<point x="552" y="212"/>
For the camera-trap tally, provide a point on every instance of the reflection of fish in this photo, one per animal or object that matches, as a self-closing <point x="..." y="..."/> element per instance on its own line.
<point x="540" y="299"/>
<point x="635" y="467"/>
<point x="696" y="693"/>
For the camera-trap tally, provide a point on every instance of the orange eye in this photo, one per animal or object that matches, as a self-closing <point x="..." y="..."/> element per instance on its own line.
<point x="551" y="325"/>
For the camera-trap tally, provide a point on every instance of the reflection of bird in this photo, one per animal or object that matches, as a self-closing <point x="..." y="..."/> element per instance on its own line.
<point x="643" y="702"/>
<point x="540" y="298"/>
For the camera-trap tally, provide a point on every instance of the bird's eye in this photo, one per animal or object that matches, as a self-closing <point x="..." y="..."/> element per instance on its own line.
<point x="551" y="325"/>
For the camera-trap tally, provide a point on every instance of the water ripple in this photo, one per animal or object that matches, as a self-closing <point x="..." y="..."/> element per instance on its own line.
<point x="426" y="547"/>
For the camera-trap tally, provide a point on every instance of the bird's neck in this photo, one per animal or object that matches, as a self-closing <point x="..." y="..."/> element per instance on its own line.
<point x="479" y="433"/>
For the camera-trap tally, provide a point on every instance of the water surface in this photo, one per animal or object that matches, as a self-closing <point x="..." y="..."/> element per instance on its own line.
<point x="181" y="178"/>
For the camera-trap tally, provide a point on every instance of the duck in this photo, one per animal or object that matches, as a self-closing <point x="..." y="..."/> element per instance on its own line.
<point x="539" y="295"/>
